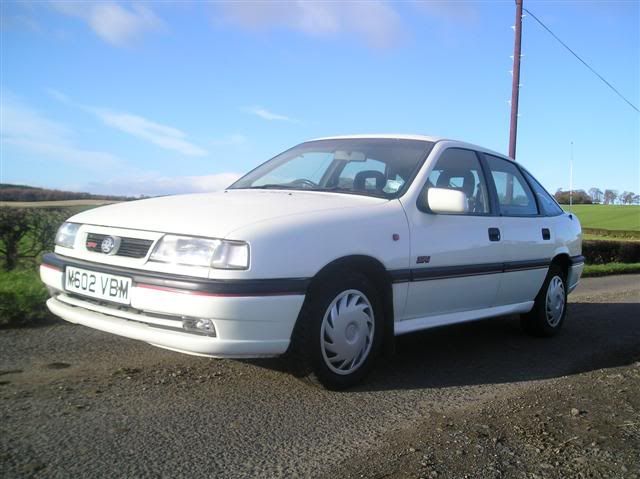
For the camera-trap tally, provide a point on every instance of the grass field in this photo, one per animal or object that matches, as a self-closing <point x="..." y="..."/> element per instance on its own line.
<point x="591" y="270"/>
<point x="610" y="217"/>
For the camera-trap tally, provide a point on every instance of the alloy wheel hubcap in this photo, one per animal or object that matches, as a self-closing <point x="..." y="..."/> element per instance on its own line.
<point x="555" y="303"/>
<point x="347" y="330"/>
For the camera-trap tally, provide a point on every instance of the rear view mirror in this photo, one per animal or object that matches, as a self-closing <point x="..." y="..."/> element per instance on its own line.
<point x="341" y="155"/>
<point x="443" y="200"/>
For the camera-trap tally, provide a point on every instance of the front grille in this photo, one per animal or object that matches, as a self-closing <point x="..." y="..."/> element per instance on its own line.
<point x="129" y="247"/>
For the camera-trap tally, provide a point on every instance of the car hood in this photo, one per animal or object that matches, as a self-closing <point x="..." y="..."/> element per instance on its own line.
<point x="217" y="214"/>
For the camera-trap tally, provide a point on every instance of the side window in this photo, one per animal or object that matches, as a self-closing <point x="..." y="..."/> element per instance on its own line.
<point x="514" y="195"/>
<point x="459" y="169"/>
<point x="545" y="200"/>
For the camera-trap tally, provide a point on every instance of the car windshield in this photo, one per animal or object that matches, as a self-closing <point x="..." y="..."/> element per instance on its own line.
<point x="371" y="166"/>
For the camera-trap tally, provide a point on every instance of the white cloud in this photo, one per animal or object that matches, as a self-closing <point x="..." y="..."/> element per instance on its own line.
<point x="110" y="21"/>
<point x="10" y="20"/>
<point x="375" y="22"/>
<point x="267" y="115"/>
<point x="164" y="136"/>
<point x="160" y="135"/>
<point x="58" y="95"/>
<point x="154" y="185"/>
<point x="27" y="129"/>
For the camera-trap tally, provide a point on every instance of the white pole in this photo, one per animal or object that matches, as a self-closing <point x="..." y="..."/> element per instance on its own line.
<point x="571" y="178"/>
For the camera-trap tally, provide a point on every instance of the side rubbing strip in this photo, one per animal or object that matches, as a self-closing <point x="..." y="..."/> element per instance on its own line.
<point x="400" y="275"/>
<point x="528" y="264"/>
<point x="443" y="272"/>
<point x="461" y="271"/>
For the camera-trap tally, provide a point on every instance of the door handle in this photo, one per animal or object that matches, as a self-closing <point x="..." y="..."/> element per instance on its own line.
<point x="494" y="234"/>
<point x="546" y="234"/>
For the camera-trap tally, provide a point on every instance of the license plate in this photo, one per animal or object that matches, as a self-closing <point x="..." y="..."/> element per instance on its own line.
<point x="98" y="285"/>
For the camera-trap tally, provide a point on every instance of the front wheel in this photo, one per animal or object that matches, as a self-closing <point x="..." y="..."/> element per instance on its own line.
<point x="550" y="307"/>
<point x="339" y="331"/>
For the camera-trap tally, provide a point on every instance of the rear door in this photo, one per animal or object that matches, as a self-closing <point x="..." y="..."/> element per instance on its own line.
<point x="527" y="235"/>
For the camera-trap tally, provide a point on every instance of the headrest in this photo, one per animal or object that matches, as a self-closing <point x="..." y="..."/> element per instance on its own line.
<point x="360" y="180"/>
<point x="468" y="181"/>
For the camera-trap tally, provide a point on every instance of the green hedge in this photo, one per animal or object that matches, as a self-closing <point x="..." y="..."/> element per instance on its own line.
<point x="22" y="298"/>
<point x="605" y="251"/>
<point x="612" y="233"/>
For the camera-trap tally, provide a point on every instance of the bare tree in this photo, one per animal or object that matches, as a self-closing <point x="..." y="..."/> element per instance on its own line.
<point x="596" y="195"/>
<point x="626" y="197"/>
<point x="610" y="197"/>
<point x="623" y="197"/>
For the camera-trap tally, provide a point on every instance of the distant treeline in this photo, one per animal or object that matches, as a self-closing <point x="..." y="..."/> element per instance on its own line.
<point x="29" y="193"/>
<point x="597" y="196"/>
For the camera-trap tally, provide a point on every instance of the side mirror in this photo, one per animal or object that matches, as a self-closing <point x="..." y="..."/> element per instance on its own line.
<point x="443" y="200"/>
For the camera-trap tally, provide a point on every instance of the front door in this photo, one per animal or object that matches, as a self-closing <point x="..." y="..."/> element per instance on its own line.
<point x="456" y="259"/>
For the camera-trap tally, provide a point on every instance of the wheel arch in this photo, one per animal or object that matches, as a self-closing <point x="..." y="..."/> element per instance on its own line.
<point x="376" y="272"/>
<point x="564" y="261"/>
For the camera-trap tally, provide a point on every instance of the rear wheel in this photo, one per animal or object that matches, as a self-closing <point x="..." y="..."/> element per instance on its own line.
<point x="550" y="307"/>
<point x="339" y="331"/>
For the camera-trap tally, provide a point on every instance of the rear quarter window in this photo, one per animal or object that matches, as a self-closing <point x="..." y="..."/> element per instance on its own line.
<point x="547" y="204"/>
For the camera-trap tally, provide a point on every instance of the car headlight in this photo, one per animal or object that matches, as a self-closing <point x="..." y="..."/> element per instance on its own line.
<point x="215" y="253"/>
<point x="66" y="234"/>
<point x="231" y="255"/>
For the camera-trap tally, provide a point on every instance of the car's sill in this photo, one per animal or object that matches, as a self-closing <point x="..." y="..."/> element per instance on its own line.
<point x="426" y="322"/>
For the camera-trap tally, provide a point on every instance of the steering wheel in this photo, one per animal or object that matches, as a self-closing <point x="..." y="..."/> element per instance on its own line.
<point x="304" y="182"/>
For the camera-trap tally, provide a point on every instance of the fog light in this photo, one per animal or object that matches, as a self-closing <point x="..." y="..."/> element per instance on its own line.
<point x="197" y="325"/>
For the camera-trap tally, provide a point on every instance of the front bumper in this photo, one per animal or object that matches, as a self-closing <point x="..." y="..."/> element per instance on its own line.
<point x="252" y="318"/>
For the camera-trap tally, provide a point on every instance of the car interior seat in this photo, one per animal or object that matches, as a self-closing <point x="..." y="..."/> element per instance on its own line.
<point x="360" y="180"/>
<point x="468" y="184"/>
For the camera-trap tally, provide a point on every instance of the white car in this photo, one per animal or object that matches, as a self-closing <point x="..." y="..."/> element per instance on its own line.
<point x="325" y="253"/>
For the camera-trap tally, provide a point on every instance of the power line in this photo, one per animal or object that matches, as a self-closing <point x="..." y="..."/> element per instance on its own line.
<point x="581" y="60"/>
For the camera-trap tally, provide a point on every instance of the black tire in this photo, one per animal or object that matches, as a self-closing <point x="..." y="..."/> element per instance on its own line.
<point x="544" y="321"/>
<point x="305" y="356"/>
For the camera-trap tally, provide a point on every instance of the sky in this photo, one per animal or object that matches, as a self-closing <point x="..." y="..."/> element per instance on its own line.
<point x="172" y="97"/>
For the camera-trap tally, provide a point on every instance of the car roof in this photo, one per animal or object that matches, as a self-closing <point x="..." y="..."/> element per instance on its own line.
<point x="388" y="136"/>
<point x="404" y="136"/>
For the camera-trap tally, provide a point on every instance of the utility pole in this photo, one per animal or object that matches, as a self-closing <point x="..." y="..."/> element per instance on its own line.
<point x="515" y="87"/>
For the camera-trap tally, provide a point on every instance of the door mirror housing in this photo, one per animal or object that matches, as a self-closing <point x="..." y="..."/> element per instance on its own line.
<point x="447" y="201"/>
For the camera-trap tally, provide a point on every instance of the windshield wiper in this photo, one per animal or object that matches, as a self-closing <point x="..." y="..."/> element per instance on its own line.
<point x="341" y="189"/>
<point x="329" y="189"/>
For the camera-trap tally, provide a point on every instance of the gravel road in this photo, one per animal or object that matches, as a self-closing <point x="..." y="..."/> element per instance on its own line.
<point x="78" y="402"/>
